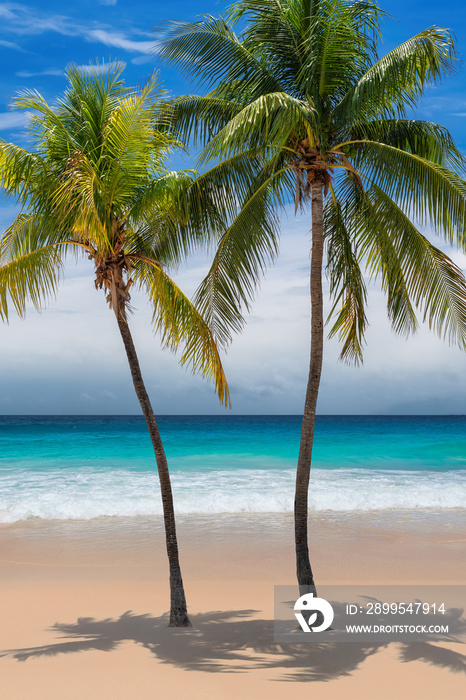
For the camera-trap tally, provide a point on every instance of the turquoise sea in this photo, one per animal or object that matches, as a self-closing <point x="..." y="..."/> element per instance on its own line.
<point x="83" y="467"/>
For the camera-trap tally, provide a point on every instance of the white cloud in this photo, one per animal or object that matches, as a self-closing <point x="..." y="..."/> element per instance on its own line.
<point x="140" y="60"/>
<point x="24" y="20"/>
<point x="11" y="45"/>
<point x="87" y="68"/>
<point x="108" y="2"/>
<point x="119" y="41"/>
<point x="49" y="71"/>
<point x="7" y="10"/>
<point x="107" y="394"/>
<point x="98" y="67"/>
<point x="11" y="120"/>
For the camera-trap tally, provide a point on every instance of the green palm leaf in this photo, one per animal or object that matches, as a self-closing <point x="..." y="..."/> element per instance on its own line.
<point x="347" y="287"/>
<point x="433" y="282"/>
<point x="33" y="277"/>
<point x="396" y="82"/>
<point x="178" y="321"/>
<point x="432" y="194"/>
<point x="243" y="252"/>
<point x="268" y="120"/>
<point x="196" y="119"/>
<point x="426" y="139"/>
<point x="212" y="52"/>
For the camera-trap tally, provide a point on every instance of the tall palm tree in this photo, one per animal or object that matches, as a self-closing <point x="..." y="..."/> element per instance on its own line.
<point x="95" y="183"/>
<point x="301" y="98"/>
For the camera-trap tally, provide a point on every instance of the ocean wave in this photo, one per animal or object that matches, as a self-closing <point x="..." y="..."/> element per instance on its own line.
<point x="92" y="493"/>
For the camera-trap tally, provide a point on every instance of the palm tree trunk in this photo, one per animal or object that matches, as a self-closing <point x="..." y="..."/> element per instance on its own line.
<point x="303" y="565"/>
<point x="178" y="610"/>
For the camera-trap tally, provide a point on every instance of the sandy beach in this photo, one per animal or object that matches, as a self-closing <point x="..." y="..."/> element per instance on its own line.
<point x="84" y="608"/>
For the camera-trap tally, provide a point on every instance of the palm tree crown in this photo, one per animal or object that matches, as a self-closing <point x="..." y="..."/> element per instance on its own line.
<point x="95" y="183"/>
<point x="303" y="94"/>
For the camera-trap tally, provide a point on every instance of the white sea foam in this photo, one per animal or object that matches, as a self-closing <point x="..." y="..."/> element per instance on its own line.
<point x="91" y="493"/>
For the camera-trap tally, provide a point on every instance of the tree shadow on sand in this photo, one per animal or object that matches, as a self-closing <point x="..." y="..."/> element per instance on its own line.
<point x="229" y="642"/>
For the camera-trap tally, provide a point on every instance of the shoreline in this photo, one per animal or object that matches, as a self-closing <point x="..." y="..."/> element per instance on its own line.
<point x="402" y="545"/>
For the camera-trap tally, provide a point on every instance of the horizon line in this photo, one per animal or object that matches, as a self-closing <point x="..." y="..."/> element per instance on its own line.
<point x="237" y="415"/>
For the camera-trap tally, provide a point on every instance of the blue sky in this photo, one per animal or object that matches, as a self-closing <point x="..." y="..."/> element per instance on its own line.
<point x="69" y="359"/>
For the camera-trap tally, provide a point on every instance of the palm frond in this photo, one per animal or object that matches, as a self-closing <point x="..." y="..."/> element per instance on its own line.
<point x="396" y="82"/>
<point x="210" y="51"/>
<point x="434" y="283"/>
<point x="432" y="194"/>
<point x="161" y="219"/>
<point x="177" y="320"/>
<point x="33" y="277"/>
<point x="133" y="147"/>
<point x="268" y="121"/>
<point x="271" y="35"/>
<point x="196" y="119"/>
<point x="431" y="141"/>
<point x="347" y="288"/>
<point x="245" y="249"/>
<point x="413" y="272"/>
<point x="345" y="33"/>
<point x="30" y="231"/>
<point x="20" y="170"/>
<point x="313" y="48"/>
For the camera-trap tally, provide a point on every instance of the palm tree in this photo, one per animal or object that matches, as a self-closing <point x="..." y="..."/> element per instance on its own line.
<point x="95" y="183"/>
<point x="302" y="99"/>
